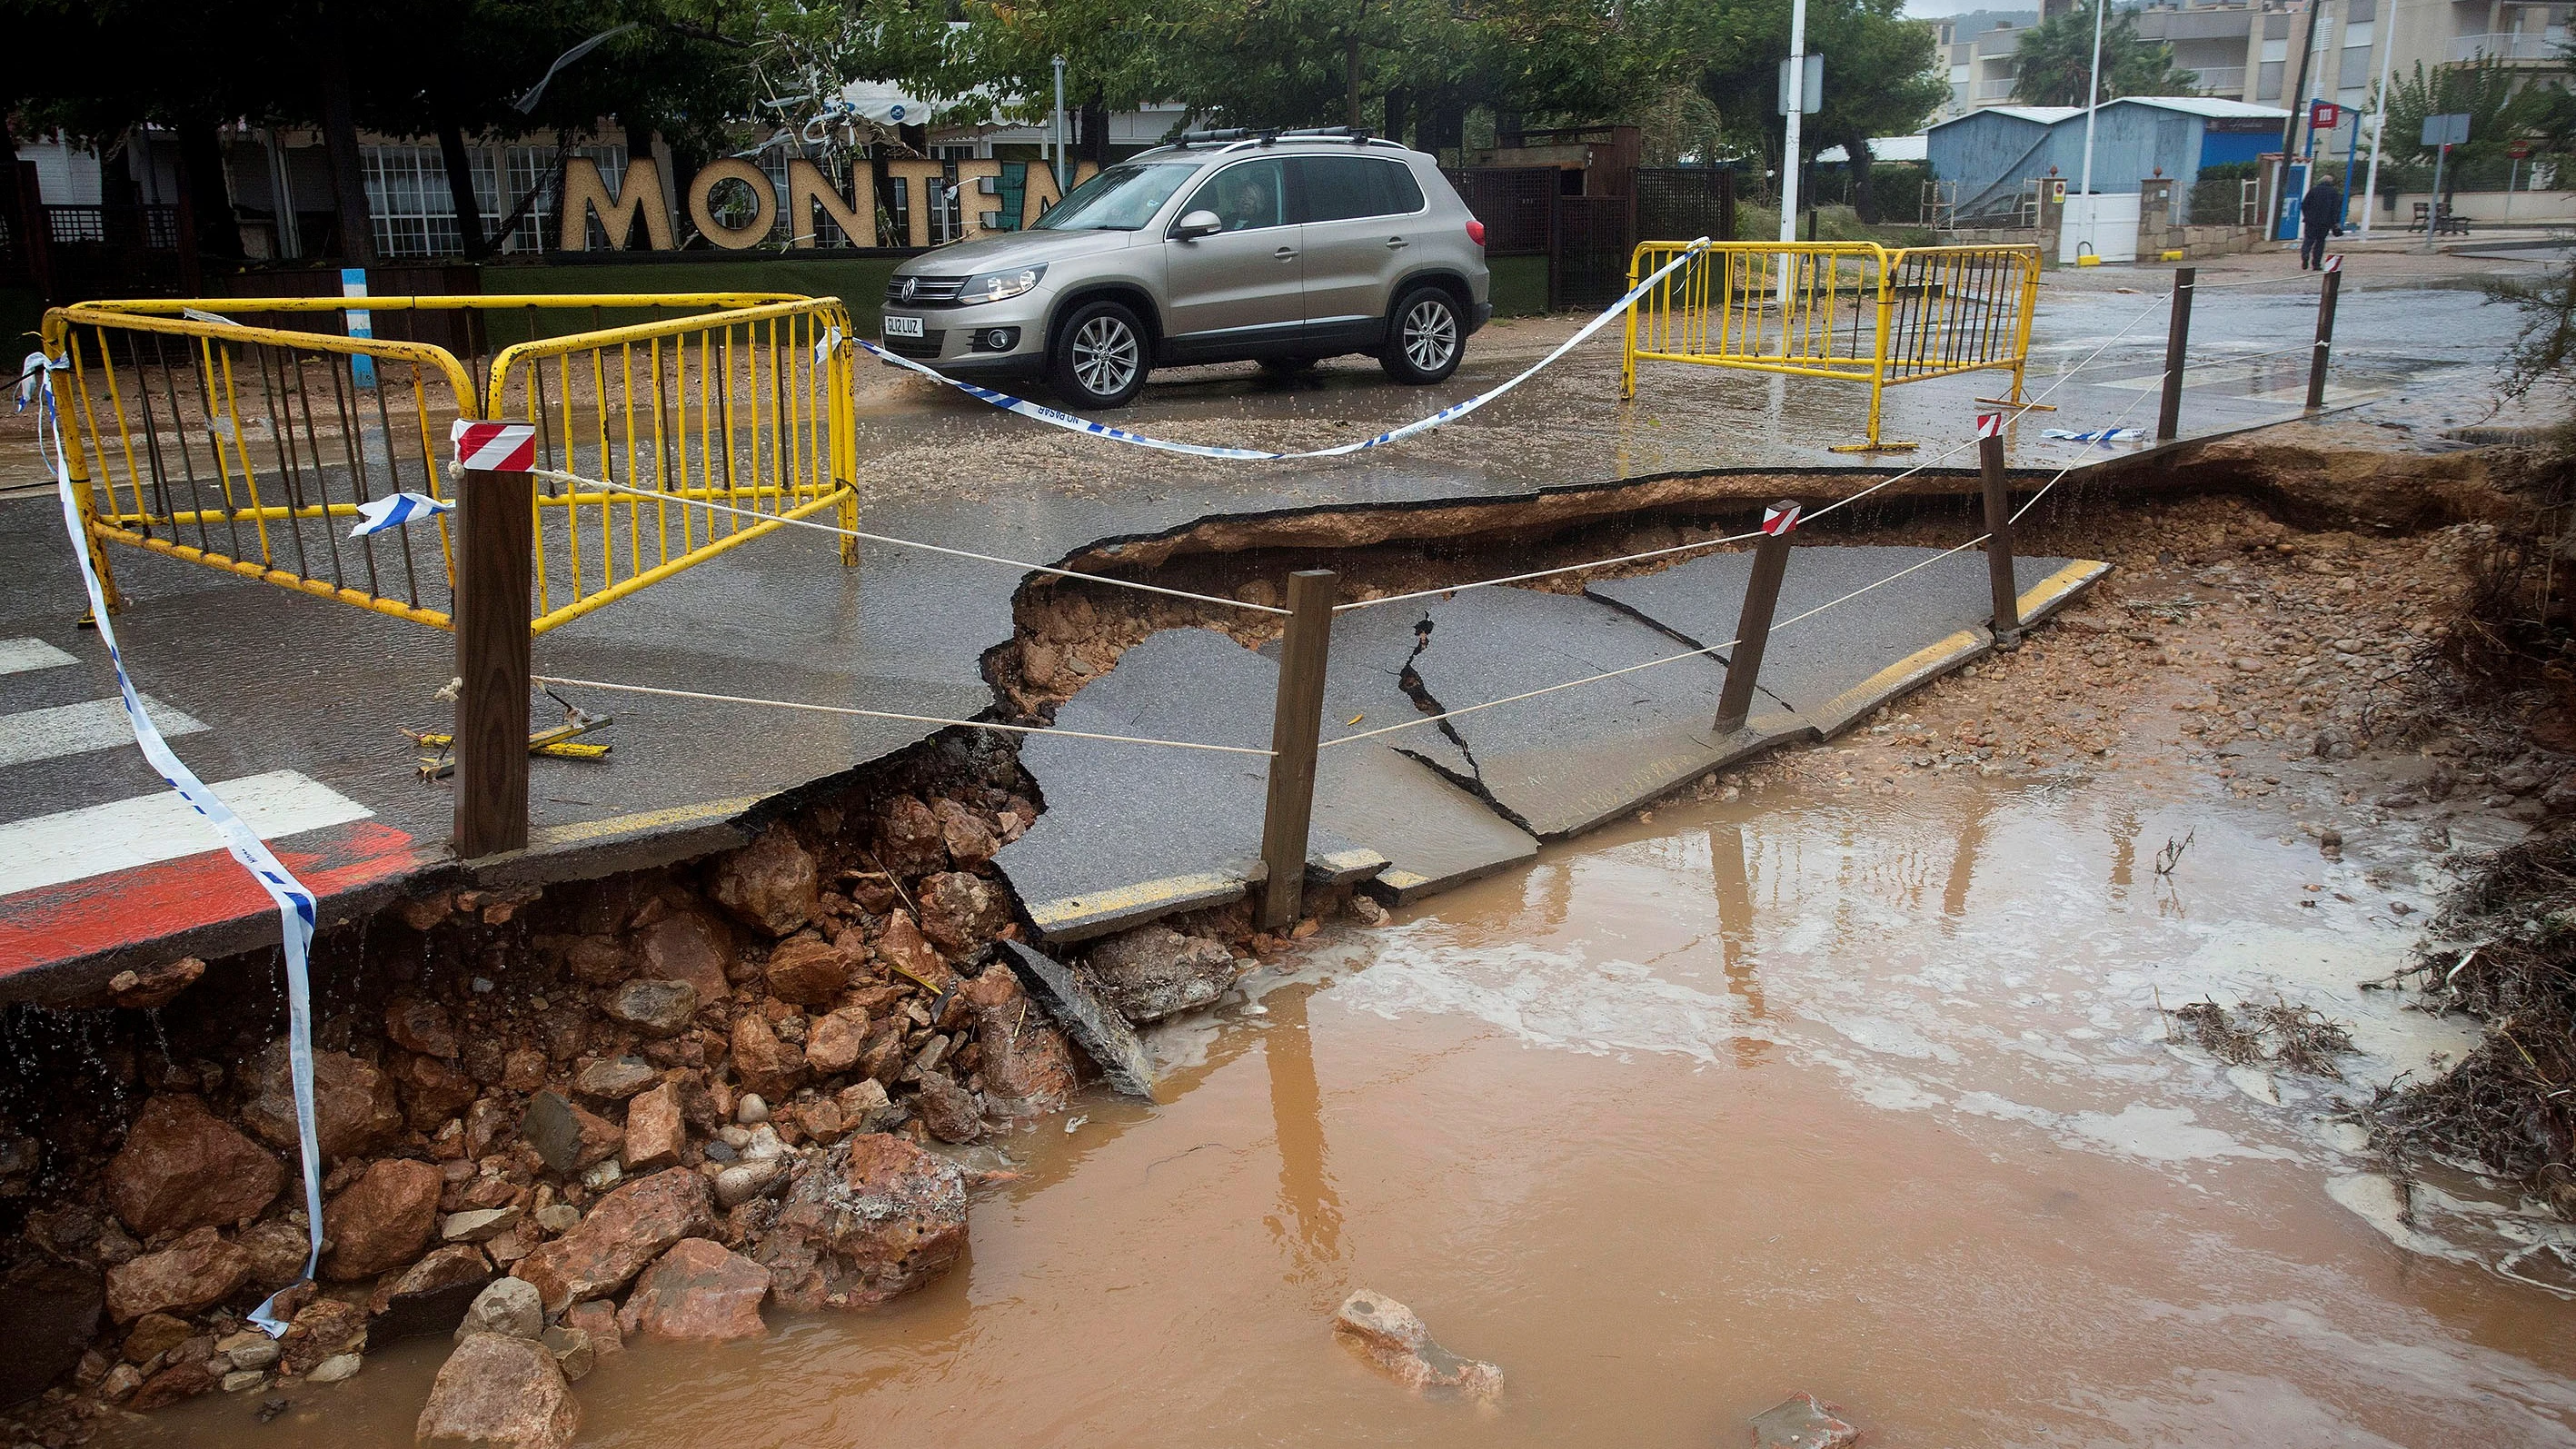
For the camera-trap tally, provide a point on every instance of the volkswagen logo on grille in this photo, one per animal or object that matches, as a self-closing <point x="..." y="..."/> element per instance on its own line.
<point x="911" y="285"/>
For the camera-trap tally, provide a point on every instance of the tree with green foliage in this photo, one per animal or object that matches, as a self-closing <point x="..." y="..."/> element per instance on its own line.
<point x="2502" y="108"/>
<point x="1879" y="76"/>
<point x="2054" y="60"/>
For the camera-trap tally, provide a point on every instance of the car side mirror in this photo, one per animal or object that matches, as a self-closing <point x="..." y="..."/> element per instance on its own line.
<point x="1197" y="224"/>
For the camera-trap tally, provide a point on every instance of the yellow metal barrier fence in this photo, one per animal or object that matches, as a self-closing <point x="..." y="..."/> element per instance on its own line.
<point x="1851" y="310"/>
<point x="252" y="449"/>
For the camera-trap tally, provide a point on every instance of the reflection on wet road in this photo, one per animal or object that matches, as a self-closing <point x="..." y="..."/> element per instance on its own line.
<point x="1865" y="1095"/>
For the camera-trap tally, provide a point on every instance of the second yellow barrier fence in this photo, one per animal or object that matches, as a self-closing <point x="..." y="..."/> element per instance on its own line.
<point x="253" y="447"/>
<point x="1855" y="311"/>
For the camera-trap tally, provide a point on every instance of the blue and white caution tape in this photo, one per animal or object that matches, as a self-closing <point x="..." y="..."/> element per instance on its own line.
<point x="31" y="375"/>
<point x="396" y="511"/>
<point x="1450" y="414"/>
<point x="295" y="910"/>
<point x="2105" y="436"/>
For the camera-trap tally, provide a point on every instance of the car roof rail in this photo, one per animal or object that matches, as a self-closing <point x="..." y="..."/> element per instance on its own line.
<point x="1237" y="138"/>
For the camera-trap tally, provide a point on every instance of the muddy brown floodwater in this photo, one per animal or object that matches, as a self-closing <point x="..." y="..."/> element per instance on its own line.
<point x="1869" y="1097"/>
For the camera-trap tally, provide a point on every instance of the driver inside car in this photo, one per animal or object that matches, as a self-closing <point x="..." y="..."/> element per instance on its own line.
<point x="1248" y="204"/>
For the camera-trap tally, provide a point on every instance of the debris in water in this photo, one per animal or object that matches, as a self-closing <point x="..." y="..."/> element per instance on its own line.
<point x="1800" y="1422"/>
<point x="2300" y="1038"/>
<point x="2171" y="855"/>
<point x="1389" y="1335"/>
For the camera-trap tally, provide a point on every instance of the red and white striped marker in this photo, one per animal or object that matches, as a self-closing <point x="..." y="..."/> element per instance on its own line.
<point x="2334" y="263"/>
<point x="494" y="447"/>
<point x="1990" y="425"/>
<point x="1779" y="520"/>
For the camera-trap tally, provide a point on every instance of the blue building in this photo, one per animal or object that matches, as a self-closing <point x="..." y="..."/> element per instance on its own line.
<point x="1993" y="153"/>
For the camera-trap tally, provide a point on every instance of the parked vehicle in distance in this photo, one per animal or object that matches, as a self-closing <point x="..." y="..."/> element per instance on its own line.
<point x="1283" y="248"/>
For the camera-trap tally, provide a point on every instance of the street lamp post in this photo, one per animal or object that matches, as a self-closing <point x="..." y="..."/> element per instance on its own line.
<point x="1797" y="111"/>
<point x="2385" y="32"/>
<point x="2093" y="102"/>
<point x="1061" y="174"/>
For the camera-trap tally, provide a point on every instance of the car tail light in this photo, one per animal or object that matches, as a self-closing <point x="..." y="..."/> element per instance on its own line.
<point x="1475" y="231"/>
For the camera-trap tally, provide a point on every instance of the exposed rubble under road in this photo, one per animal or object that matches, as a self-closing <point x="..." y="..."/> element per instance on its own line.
<point x="848" y="1031"/>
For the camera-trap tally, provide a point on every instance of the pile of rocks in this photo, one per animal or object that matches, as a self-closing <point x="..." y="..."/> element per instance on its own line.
<point x="655" y="1102"/>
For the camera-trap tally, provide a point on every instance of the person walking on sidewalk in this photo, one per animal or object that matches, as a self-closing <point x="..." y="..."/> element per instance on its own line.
<point x="2320" y="216"/>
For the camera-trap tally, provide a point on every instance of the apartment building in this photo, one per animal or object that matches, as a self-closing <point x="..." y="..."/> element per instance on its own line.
<point x="2250" y="51"/>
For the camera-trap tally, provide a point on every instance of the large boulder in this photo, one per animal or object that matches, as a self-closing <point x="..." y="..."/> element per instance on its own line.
<point x="430" y="1296"/>
<point x="511" y="1307"/>
<point x="967" y="831"/>
<point x="902" y="948"/>
<point x="354" y="1108"/>
<point x="655" y="1008"/>
<point x="689" y="946"/>
<point x="1154" y="971"/>
<point x="198" y="1271"/>
<point x="627" y="1229"/>
<point x="698" y="1290"/>
<point x="432" y="1090"/>
<point x="770" y="884"/>
<point x="656" y="1129"/>
<point x="1027" y="1066"/>
<point x="421" y="1026"/>
<point x="763" y="1063"/>
<point x="869" y="1219"/>
<point x="809" y="972"/>
<point x="498" y="1392"/>
<point x="960" y="912"/>
<point x="181" y="1168"/>
<point x="568" y="1137"/>
<point x="833" y="1043"/>
<point x="950" y="1111"/>
<point x="381" y="1221"/>
<point x="909" y="840"/>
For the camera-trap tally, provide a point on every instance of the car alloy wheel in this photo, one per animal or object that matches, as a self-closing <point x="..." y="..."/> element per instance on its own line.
<point x="1430" y="335"/>
<point x="1105" y="356"/>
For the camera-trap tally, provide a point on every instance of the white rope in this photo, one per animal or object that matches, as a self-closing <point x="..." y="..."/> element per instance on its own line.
<point x="2033" y="500"/>
<point x="838" y="531"/>
<point x="971" y="724"/>
<point x="1546" y="573"/>
<point x="2017" y="409"/>
<point x="1517" y="698"/>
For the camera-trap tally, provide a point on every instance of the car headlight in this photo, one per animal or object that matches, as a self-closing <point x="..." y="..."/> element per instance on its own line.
<point x="996" y="286"/>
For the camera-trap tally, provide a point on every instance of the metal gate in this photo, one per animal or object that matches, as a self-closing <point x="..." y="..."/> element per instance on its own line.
<point x="1851" y="310"/>
<point x="252" y="449"/>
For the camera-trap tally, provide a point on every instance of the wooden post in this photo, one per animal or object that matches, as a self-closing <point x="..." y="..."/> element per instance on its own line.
<point x="36" y="234"/>
<point x="1753" y="626"/>
<point x="2177" y="342"/>
<point x="1999" y="549"/>
<point x="495" y="514"/>
<point x="1296" y="728"/>
<point x="2325" y="332"/>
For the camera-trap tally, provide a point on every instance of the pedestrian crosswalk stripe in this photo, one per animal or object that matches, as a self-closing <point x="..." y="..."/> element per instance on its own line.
<point x="18" y="655"/>
<point x="74" y="845"/>
<point x="72" y="729"/>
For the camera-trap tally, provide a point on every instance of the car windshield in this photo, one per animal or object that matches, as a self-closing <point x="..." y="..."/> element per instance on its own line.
<point x="1122" y="198"/>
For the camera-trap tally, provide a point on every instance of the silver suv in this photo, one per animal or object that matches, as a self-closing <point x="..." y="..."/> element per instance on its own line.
<point x="1279" y="247"/>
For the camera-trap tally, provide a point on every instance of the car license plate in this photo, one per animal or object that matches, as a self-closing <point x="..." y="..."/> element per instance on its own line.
<point x="902" y="326"/>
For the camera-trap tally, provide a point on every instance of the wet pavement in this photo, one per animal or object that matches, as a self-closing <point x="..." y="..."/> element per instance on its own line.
<point x="1132" y="832"/>
<point x="1867" y="1096"/>
<point x="310" y="695"/>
